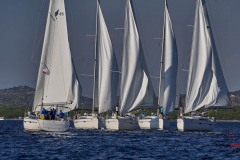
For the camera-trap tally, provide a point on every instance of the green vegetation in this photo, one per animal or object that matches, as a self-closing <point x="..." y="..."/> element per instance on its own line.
<point x="174" y="115"/>
<point x="231" y="114"/>
<point x="18" y="111"/>
<point x="12" y="111"/>
<point x="220" y="114"/>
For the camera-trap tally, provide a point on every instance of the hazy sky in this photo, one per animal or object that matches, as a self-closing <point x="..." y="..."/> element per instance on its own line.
<point x="22" y="25"/>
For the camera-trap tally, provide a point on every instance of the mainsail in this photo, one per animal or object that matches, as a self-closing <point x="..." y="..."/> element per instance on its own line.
<point x="106" y="80"/>
<point x="169" y="66"/>
<point x="136" y="87"/>
<point x="57" y="82"/>
<point x="206" y="85"/>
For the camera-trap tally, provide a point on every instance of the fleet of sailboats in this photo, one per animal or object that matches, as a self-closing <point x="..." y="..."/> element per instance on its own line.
<point x="58" y="86"/>
<point x="206" y="86"/>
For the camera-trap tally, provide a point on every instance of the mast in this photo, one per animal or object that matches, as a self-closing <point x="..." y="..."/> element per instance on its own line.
<point x="161" y="82"/>
<point x="104" y="90"/>
<point x="95" y="89"/>
<point x="169" y="66"/>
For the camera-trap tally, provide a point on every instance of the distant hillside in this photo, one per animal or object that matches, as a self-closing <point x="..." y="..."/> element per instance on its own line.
<point x="235" y="97"/>
<point x="17" y="96"/>
<point x="23" y="96"/>
<point x="15" y="101"/>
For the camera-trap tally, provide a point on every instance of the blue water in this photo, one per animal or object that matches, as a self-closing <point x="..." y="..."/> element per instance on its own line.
<point x="100" y="144"/>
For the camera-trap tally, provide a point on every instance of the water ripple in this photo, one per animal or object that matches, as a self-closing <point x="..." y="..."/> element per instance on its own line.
<point x="102" y="144"/>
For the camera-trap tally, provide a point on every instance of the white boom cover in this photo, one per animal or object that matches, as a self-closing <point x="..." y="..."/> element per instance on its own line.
<point x="206" y="85"/>
<point x="135" y="88"/>
<point x="106" y="80"/>
<point x="169" y="66"/>
<point x="56" y="77"/>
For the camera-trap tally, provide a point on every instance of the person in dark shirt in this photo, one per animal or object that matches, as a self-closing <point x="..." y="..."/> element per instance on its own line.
<point x="61" y="114"/>
<point x="54" y="113"/>
<point x="51" y="114"/>
<point x="43" y="111"/>
<point x="46" y="115"/>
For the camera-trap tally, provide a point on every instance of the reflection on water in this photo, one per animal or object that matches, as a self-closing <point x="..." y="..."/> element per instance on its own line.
<point x="102" y="144"/>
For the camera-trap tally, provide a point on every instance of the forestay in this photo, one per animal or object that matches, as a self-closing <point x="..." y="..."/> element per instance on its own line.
<point x="169" y="66"/>
<point x="135" y="88"/>
<point x="106" y="79"/>
<point x="206" y="85"/>
<point x="57" y="83"/>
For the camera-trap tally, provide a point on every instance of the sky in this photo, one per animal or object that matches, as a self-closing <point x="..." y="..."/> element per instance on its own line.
<point x="22" y="26"/>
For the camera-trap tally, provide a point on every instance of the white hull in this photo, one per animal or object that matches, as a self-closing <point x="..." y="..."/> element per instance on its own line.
<point x="30" y="124"/>
<point x="195" y="124"/>
<point x="122" y="123"/>
<point x="1" y="118"/>
<point x="154" y="122"/>
<point x="53" y="125"/>
<point x="88" y="122"/>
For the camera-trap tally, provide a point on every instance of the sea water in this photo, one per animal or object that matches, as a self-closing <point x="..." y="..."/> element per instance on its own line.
<point x="102" y="144"/>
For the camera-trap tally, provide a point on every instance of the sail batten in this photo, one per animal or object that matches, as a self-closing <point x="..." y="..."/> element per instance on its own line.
<point x="56" y="77"/>
<point x="135" y="88"/>
<point x="169" y="66"/>
<point x="206" y="84"/>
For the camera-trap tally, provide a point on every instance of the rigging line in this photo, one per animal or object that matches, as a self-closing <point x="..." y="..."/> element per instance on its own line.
<point x="220" y="49"/>
<point x="95" y="91"/>
<point x="35" y="36"/>
<point x="38" y="44"/>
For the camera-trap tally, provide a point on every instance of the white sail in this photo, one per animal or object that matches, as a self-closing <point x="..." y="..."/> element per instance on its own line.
<point x="76" y="95"/>
<point x="56" y="77"/>
<point x="135" y="88"/>
<point x="206" y="85"/>
<point x="169" y="66"/>
<point x="105" y="92"/>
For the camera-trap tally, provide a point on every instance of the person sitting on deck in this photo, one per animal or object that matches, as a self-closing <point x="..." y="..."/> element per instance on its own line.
<point x="54" y="113"/>
<point x="51" y="114"/>
<point x="61" y="114"/>
<point x="46" y="114"/>
<point x="161" y="111"/>
<point x="43" y="111"/>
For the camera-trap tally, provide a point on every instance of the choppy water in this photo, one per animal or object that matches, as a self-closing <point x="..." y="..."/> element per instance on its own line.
<point x="100" y="144"/>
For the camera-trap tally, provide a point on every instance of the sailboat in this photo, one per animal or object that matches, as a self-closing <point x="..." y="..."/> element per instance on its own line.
<point x="168" y="77"/>
<point x="136" y="89"/>
<point x="206" y="86"/>
<point x="57" y="85"/>
<point x="105" y="77"/>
